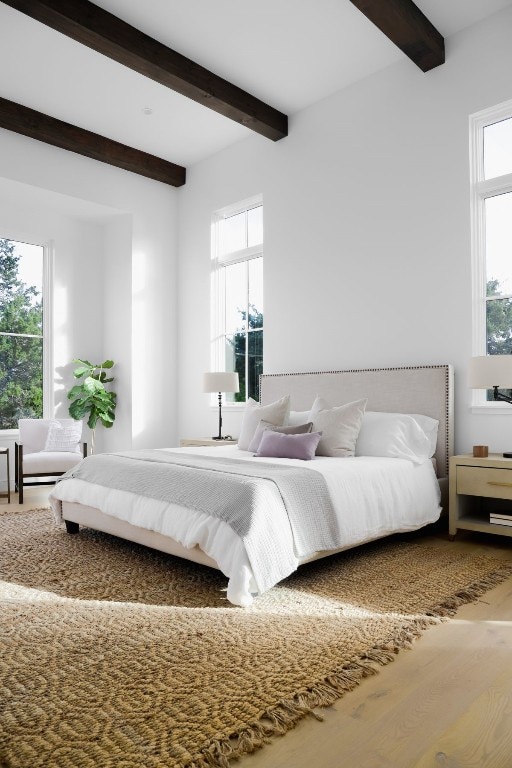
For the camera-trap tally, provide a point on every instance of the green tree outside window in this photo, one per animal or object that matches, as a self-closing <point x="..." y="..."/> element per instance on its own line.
<point x="21" y="343"/>
<point x="498" y="326"/>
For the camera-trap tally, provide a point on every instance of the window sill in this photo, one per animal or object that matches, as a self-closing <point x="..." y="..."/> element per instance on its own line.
<point x="9" y="434"/>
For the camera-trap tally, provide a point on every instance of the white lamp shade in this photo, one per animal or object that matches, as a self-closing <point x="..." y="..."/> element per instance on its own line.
<point x="220" y="382"/>
<point x="490" y="371"/>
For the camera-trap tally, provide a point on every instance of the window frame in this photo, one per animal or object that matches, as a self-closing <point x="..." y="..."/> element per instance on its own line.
<point x="219" y="260"/>
<point x="47" y="297"/>
<point x="480" y="190"/>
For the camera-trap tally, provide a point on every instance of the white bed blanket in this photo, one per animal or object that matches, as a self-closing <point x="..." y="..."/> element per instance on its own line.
<point x="372" y="497"/>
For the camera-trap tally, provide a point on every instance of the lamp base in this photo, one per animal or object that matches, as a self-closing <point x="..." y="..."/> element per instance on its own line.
<point x="507" y="455"/>
<point x="217" y="438"/>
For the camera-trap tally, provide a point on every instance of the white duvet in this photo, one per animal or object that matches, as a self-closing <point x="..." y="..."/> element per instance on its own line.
<point x="372" y="497"/>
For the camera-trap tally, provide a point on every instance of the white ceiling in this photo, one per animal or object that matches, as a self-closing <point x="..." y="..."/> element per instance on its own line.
<point x="288" y="53"/>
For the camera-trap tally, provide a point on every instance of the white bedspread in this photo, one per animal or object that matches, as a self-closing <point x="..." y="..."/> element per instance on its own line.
<point x="372" y="497"/>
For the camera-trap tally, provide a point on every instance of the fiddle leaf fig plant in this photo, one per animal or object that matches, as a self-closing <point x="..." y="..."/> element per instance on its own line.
<point x="91" y="397"/>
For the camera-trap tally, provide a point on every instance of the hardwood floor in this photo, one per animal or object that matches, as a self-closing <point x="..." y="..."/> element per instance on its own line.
<point x="446" y="703"/>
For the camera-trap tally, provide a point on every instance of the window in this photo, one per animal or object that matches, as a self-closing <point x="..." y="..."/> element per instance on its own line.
<point x="491" y="208"/>
<point x="24" y="326"/>
<point x="237" y="301"/>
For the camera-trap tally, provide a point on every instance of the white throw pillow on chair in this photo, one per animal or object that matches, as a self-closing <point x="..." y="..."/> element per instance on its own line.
<point x="64" y="436"/>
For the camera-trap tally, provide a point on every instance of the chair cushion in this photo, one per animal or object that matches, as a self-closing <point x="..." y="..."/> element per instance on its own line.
<point x="49" y="462"/>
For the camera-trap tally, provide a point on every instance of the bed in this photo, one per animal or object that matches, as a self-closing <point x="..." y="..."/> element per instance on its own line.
<point x="368" y="496"/>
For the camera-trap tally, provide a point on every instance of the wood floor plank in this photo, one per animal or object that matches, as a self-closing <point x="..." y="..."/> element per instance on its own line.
<point x="467" y="744"/>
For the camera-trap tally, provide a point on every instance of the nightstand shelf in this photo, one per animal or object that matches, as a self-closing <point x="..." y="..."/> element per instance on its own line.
<point x="478" y="487"/>
<point x="204" y="441"/>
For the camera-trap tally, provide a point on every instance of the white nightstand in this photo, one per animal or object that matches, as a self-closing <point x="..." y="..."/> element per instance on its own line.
<point x="187" y="442"/>
<point x="479" y="487"/>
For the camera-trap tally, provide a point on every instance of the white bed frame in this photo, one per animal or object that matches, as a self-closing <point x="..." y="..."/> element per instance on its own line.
<point x="419" y="389"/>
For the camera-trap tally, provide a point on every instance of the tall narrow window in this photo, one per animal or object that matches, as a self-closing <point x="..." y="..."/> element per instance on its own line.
<point x="491" y="190"/>
<point x="238" y="295"/>
<point x="21" y="332"/>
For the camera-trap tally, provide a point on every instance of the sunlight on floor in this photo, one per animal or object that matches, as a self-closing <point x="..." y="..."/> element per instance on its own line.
<point x="19" y="592"/>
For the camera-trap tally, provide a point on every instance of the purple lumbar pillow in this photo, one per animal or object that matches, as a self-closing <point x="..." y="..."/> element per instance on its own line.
<point x="281" y="446"/>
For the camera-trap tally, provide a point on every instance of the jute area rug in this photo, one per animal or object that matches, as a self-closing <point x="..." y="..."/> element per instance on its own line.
<point x="116" y="656"/>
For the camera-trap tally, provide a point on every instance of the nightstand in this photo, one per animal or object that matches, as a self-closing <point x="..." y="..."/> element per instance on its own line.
<point x="479" y="487"/>
<point x="188" y="442"/>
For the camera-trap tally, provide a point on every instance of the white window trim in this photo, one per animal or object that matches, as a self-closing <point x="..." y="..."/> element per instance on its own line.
<point x="48" y="362"/>
<point x="48" y="376"/>
<point x="218" y="259"/>
<point x="480" y="190"/>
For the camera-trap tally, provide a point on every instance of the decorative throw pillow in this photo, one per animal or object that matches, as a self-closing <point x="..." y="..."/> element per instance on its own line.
<point x="397" y="435"/>
<point x="339" y="426"/>
<point x="276" y="413"/>
<point x="279" y="445"/>
<point x="263" y="426"/>
<point x="64" y="436"/>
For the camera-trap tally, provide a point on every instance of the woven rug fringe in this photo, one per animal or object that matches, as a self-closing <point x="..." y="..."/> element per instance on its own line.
<point x="278" y="720"/>
<point x="471" y="593"/>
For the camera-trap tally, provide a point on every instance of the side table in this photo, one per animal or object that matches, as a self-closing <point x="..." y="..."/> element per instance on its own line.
<point x="5" y="452"/>
<point x="203" y="441"/>
<point x="474" y="484"/>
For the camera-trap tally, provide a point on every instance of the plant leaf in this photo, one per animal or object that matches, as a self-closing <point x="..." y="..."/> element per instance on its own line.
<point x="74" y="391"/>
<point x="77" y="410"/>
<point x="107" y="364"/>
<point x="79" y="372"/>
<point x="91" y="386"/>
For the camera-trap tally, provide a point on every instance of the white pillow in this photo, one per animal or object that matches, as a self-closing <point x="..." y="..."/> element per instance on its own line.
<point x="276" y="413"/>
<point x="64" y="436"/>
<point x="339" y="426"/>
<point x="297" y="417"/>
<point x="430" y="427"/>
<point x="397" y="435"/>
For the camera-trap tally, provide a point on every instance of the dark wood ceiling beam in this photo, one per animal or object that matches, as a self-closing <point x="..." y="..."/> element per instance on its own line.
<point x="36" y="125"/>
<point x="98" y="29"/>
<point x="408" y="28"/>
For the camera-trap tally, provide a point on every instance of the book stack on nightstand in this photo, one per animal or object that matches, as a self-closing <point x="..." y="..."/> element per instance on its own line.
<point x="500" y="518"/>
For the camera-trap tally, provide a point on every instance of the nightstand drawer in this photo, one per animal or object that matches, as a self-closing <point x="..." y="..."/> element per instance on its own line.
<point x="484" y="481"/>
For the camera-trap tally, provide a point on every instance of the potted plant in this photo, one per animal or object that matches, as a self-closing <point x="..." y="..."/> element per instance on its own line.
<point x="91" y="396"/>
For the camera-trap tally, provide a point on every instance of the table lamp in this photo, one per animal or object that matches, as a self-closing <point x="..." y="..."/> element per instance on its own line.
<point x="220" y="382"/>
<point x="492" y="372"/>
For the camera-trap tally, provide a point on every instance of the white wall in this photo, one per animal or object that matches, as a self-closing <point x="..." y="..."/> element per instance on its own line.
<point x="115" y="242"/>
<point x="367" y="230"/>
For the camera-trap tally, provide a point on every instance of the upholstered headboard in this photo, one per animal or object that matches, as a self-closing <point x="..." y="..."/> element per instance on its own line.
<point x="419" y="389"/>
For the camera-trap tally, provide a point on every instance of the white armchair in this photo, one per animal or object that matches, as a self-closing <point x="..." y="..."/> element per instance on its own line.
<point x="47" y="449"/>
